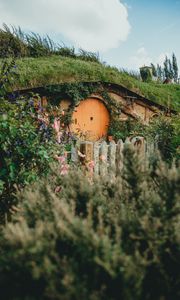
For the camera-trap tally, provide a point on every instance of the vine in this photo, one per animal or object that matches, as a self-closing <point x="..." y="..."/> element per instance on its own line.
<point x="76" y="92"/>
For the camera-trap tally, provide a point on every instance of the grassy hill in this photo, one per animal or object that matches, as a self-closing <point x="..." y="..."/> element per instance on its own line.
<point x="35" y="72"/>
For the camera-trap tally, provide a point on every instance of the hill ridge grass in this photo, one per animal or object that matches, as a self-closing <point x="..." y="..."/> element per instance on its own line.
<point x="43" y="71"/>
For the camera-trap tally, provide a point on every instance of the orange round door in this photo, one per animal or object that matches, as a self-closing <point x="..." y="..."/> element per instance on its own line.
<point x="90" y="119"/>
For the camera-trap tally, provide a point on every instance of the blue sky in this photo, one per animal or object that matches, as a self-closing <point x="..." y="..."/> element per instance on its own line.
<point x="154" y="33"/>
<point x="127" y="33"/>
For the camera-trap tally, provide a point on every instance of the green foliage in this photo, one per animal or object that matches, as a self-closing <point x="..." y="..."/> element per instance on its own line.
<point x="12" y="42"/>
<point x="175" y="67"/>
<point x="95" y="241"/>
<point x="160" y="73"/>
<point x="88" y="56"/>
<point x="54" y="64"/>
<point x="165" y="133"/>
<point x="166" y="68"/>
<point x="169" y="70"/>
<point x="154" y="71"/>
<point x="53" y="70"/>
<point x="8" y="74"/>
<point x="67" y="51"/>
<point x="123" y="129"/>
<point x="25" y="151"/>
<point x="15" y="43"/>
<point x="131" y="73"/>
<point x="77" y="92"/>
<point x="146" y="74"/>
<point x="39" y="46"/>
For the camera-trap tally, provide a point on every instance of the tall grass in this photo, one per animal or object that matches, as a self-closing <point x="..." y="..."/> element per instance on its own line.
<point x="15" y="42"/>
<point x="43" y="71"/>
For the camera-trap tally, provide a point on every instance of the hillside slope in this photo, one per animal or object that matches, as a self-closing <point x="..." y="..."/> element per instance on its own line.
<point x="35" y="72"/>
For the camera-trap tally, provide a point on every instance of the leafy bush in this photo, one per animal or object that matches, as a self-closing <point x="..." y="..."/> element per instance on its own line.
<point x="12" y="42"/>
<point x="24" y="150"/>
<point x="26" y="139"/>
<point x="96" y="241"/>
<point x="146" y="74"/>
<point x="8" y="73"/>
<point x="165" y="133"/>
<point x="122" y="129"/>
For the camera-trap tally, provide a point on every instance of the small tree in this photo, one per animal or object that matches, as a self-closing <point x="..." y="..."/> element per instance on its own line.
<point x="175" y="67"/>
<point x="170" y="67"/>
<point x="166" y="68"/>
<point x="146" y="74"/>
<point x="160" y="72"/>
<point x="154" y="70"/>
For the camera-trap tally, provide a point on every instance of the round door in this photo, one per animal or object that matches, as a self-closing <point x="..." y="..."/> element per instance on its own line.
<point x="90" y="120"/>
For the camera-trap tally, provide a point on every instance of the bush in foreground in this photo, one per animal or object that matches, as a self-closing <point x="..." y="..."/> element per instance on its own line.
<point x="113" y="239"/>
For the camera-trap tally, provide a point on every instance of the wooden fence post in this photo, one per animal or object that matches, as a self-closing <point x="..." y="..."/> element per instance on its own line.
<point x="109" y="158"/>
<point x="127" y="140"/>
<point x="138" y="143"/>
<point x="87" y="149"/>
<point x="119" y="156"/>
<point x="103" y="159"/>
<point x="112" y="158"/>
<point x="96" y="157"/>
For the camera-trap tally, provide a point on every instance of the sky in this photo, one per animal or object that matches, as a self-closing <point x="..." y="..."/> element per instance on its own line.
<point x="127" y="34"/>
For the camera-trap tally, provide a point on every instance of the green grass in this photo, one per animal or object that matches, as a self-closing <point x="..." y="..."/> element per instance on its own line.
<point x="35" y="72"/>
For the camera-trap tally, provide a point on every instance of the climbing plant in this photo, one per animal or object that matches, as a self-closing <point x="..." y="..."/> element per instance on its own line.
<point x="80" y="91"/>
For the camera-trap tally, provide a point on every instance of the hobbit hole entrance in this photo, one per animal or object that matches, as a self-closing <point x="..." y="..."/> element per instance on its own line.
<point x="91" y="119"/>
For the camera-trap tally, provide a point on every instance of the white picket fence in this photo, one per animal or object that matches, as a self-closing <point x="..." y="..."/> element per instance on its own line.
<point x="108" y="157"/>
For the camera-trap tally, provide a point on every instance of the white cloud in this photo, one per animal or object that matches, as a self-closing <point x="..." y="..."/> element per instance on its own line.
<point x="94" y="25"/>
<point x="140" y="59"/>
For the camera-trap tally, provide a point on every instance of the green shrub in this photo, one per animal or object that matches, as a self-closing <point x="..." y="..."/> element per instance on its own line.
<point x="123" y="129"/>
<point x="26" y="141"/>
<point x="165" y="133"/>
<point x="25" y="152"/>
<point x="146" y="74"/>
<point x="95" y="241"/>
<point x="12" y="42"/>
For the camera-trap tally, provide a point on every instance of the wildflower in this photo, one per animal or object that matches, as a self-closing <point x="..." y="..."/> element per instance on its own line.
<point x="102" y="157"/>
<point x="57" y="189"/>
<point x="64" y="169"/>
<point x="31" y="102"/>
<point x="61" y="159"/>
<point x="91" y="165"/>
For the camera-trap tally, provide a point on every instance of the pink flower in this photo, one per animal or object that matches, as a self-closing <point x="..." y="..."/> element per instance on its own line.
<point x="91" y="164"/>
<point x="103" y="157"/>
<point x="57" y="189"/>
<point x="64" y="169"/>
<point x="61" y="159"/>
